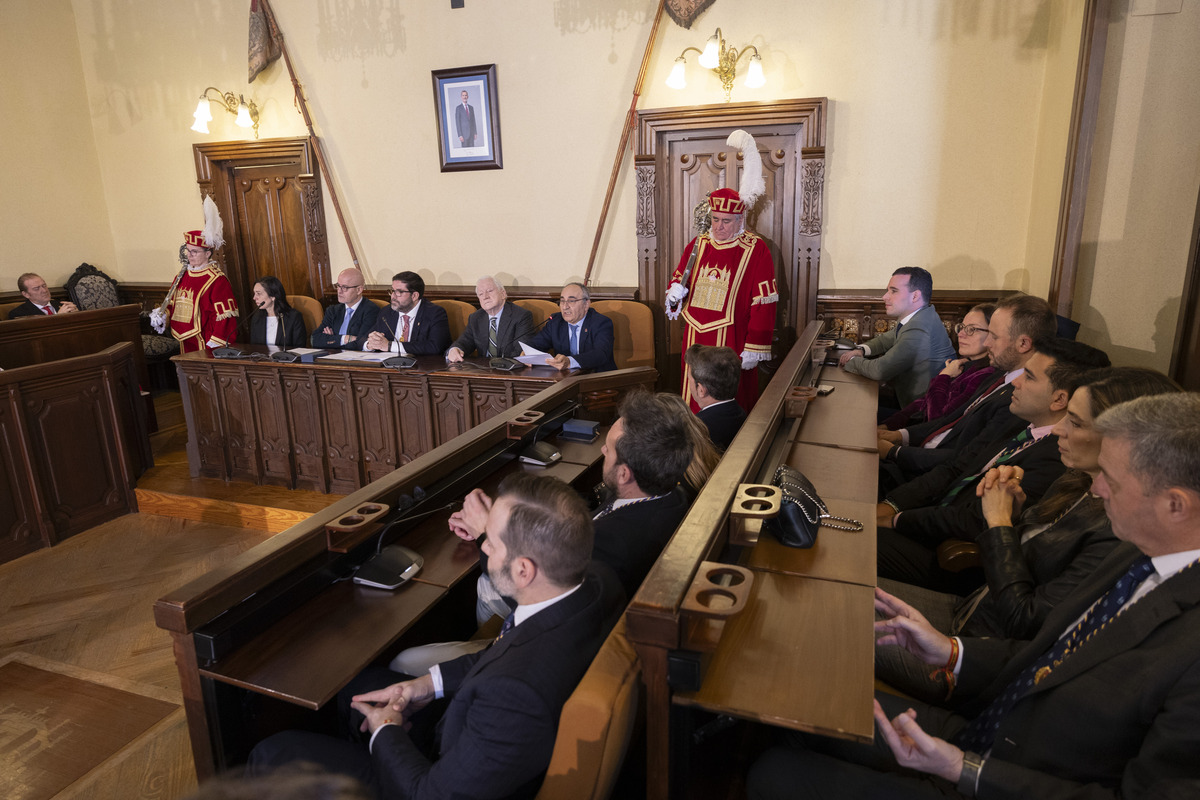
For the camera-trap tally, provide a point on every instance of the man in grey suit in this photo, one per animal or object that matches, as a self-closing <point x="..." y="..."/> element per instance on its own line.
<point x="464" y="122"/>
<point x="1104" y="701"/>
<point x="909" y="355"/>
<point x="496" y="328"/>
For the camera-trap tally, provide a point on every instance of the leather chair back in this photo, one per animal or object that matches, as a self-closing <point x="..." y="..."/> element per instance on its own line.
<point x="309" y="309"/>
<point x="6" y="308"/>
<point x="540" y="309"/>
<point x="633" y="332"/>
<point x="458" y="312"/>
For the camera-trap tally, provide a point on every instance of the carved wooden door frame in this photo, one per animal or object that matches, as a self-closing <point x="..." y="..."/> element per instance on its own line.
<point x="809" y="115"/>
<point x="212" y="163"/>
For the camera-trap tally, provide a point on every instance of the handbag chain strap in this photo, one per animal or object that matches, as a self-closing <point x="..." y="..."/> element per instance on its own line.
<point x="853" y="524"/>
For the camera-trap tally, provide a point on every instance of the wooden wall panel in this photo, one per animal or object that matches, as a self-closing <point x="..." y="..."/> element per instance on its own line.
<point x="858" y="314"/>
<point x="241" y="438"/>
<point x="20" y="523"/>
<point x="377" y="434"/>
<point x="339" y="426"/>
<point x="304" y="430"/>
<point x="271" y="426"/>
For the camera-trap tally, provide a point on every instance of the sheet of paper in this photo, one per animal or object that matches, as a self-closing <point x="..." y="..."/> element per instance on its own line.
<point x="531" y="356"/>
<point x="303" y="351"/>
<point x="354" y="355"/>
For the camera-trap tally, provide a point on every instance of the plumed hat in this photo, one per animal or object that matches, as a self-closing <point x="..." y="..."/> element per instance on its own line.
<point x="213" y="235"/>
<point x="726" y="201"/>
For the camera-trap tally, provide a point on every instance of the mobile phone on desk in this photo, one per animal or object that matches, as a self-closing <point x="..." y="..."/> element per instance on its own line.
<point x="824" y="389"/>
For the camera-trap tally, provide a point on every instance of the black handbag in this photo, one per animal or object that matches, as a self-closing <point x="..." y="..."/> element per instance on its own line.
<point x="802" y="511"/>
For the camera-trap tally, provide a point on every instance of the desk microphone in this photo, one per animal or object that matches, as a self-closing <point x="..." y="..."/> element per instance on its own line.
<point x="395" y="564"/>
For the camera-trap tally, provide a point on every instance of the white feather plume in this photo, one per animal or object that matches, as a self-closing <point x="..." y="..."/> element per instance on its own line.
<point x="753" y="185"/>
<point x="214" y="229"/>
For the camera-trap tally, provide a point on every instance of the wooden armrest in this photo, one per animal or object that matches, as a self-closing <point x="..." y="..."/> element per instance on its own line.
<point x="955" y="555"/>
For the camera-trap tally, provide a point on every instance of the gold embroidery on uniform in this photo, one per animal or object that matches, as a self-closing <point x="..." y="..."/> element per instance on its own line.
<point x="184" y="303"/>
<point x="225" y="309"/>
<point x="710" y="288"/>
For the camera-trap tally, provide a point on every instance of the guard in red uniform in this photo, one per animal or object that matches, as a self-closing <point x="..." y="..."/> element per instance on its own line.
<point x="200" y="305"/>
<point x="730" y="293"/>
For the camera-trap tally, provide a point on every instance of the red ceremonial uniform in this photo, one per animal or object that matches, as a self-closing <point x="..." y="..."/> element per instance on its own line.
<point x="202" y="310"/>
<point x="730" y="303"/>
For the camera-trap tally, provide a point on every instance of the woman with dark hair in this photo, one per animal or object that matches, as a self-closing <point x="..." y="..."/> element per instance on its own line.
<point x="1030" y="567"/>
<point x="961" y="376"/>
<point x="275" y="322"/>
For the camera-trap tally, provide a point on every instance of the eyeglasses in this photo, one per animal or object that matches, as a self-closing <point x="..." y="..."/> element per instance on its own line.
<point x="347" y="288"/>
<point x="399" y="291"/>
<point x="969" y="330"/>
<point x="569" y="301"/>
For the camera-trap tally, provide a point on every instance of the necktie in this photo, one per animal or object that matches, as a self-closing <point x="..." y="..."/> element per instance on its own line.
<point x="981" y="732"/>
<point x="404" y="333"/>
<point x="507" y="626"/>
<point x="899" y="325"/>
<point x="346" y="321"/>
<point x="1014" y="446"/>
<point x="493" y="344"/>
<point x="574" y="340"/>
<point x="996" y="384"/>
<point x="49" y="309"/>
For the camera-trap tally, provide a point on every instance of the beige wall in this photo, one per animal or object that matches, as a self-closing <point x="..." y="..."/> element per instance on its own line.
<point x="1144" y="185"/>
<point x="53" y="212"/>
<point x="945" y="134"/>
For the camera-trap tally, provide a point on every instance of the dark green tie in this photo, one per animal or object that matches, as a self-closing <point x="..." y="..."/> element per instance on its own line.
<point x="1011" y="449"/>
<point x="493" y="345"/>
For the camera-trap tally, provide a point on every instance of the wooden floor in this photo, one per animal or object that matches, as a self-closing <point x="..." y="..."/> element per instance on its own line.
<point x="82" y="611"/>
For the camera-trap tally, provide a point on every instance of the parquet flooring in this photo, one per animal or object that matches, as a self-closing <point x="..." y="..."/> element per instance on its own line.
<point x="85" y="608"/>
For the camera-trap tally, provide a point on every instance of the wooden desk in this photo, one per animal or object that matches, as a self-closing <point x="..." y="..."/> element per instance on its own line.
<point x="800" y="656"/>
<point x="837" y="472"/>
<point x="846" y="556"/>
<point x="337" y="427"/>
<point x="302" y="651"/>
<point x="847" y="422"/>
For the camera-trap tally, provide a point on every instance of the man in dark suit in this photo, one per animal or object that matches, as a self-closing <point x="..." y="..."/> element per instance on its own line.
<point x="1105" y="699"/>
<point x="712" y="384"/>
<point x="941" y="504"/>
<point x="37" y="299"/>
<point x="464" y="122"/>
<point x="581" y="337"/>
<point x="1017" y="322"/>
<point x="496" y="328"/>
<point x="498" y="731"/>
<point x="347" y="322"/>
<point x="409" y="325"/>
<point x="910" y="354"/>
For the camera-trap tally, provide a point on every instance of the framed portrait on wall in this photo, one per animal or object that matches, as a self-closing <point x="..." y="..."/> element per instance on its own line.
<point x="468" y="118"/>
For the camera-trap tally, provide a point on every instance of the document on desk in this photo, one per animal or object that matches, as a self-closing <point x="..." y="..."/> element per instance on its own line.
<point x="354" y="355"/>
<point x="305" y="351"/>
<point x="532" y="357"/>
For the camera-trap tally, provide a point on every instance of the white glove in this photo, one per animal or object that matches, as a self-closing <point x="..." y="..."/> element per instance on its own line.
<point x="750" y="360"/>
<point x="675" y="295"/>
<point x="158" y="320"/>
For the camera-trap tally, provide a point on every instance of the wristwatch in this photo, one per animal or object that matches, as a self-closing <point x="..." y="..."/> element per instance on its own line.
<point x="968" y="779"/>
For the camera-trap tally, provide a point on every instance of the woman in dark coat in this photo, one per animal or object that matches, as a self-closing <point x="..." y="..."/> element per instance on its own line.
<point x="274" y="321"/>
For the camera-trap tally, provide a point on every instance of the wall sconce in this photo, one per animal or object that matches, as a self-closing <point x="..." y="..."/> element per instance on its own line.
<point x="722" y="61"/>
<point x="247" y="113"/>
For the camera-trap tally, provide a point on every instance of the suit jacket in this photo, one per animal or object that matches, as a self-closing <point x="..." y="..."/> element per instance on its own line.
<point x="1122" y="712"/>
<point x="430" y="333"/>
<point x="290" y="333"/>
<point x="630" y="538"/>
<point x="362" y="323"/>
<point x="930" y="523"/>
<point x="464" y="124"/>
<point x="908" y="360"/>
<point x="28" y="309"/>
<point x="498" y="731"/>
<point x="944" y="395"/>
<point x="595" y="340"/>
<point x="723" y="422"/>
<point x="515" y="323"/>
<point x="991" y="414"/>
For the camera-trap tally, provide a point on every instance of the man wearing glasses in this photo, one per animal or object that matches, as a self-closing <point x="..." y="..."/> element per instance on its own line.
<point x="581" y="338"/>
<point x="409" y="326"/>
<point x="347" y="322"/>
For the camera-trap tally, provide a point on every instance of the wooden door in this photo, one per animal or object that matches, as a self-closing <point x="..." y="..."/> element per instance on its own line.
<point x="269" y="195"/>
<point x="682" y="156"/>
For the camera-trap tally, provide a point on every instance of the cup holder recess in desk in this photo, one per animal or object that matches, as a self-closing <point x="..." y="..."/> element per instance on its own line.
<point x="348" y="530"/>
<point x="753" y="503"/>
<point x="523" y="423"/>
<point x="718" y="591"/>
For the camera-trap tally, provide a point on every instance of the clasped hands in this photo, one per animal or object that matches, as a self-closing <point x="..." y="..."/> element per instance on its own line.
<point x="470" y="522"/>
<point x="393" y="705"/>
<point x="910" y="744"/>
<point x="1001" y="495"/>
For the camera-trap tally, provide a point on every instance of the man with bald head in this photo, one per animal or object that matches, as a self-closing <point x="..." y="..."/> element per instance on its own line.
<point x="496" y="328"/>
<point x="347" y="322"/>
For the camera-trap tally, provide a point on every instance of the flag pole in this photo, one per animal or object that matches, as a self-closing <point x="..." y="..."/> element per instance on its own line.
<point x="302" y="103"/>
<point x="630" y="121"/>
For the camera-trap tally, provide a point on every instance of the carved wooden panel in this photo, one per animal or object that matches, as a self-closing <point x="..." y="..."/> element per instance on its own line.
<point x="74" y="451"/>
<point x="270" y="418"/>
<point x="20" y="526"/>
<point x="489" y="398"/>
<point x="860" y="315"/>
<point x="241" y="441"/>
<point x="340" y="428"/>
<point x="413" y="412"/>
<point x="205" y="430"/>
<point x="304" y="430"/>
<point x="376" y="432"/>
<point x="449" y="407"/>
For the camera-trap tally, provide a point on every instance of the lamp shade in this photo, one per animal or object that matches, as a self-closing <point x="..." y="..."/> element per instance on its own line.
<point x="200" y="125"/>
<point x="754" y="77"/>
<point x="677" y="78"/>
<point x="711" y="55"/>
<point x="243" y="116"/>
<point x="202" y="111"/>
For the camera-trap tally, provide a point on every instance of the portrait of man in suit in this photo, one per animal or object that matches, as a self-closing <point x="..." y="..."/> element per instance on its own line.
<point x="464" y="122"/>
<point x="496" y="328"/>
<point x="410" y="325"/>
<point x="348" y="321"/>
<point x="581" y="337"/>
